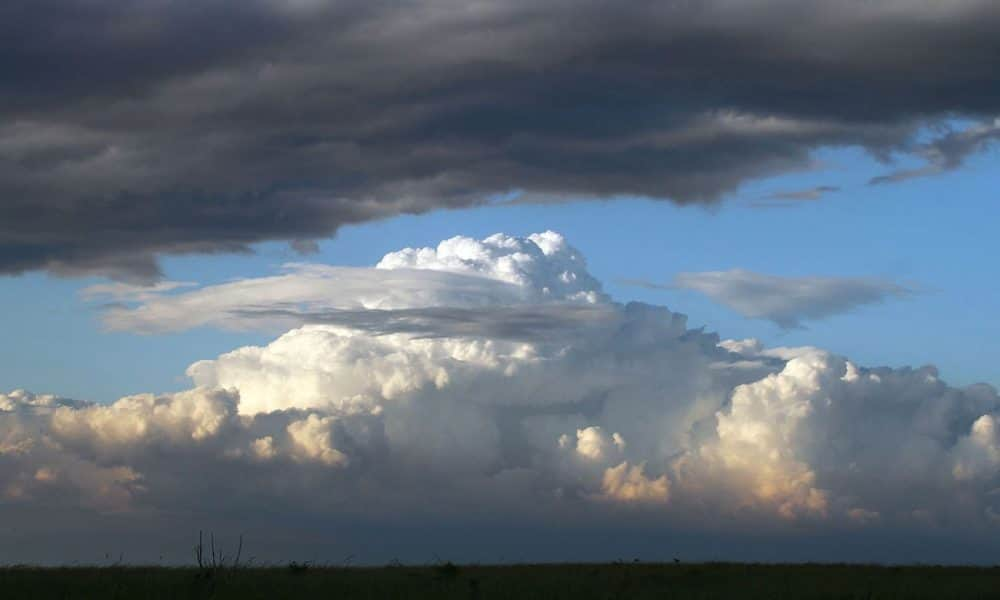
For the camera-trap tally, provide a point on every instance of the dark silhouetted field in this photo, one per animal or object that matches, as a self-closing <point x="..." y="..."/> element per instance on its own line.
<point x="572" y="582"/>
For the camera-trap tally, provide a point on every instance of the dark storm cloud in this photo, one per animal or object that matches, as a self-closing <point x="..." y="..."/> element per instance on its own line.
<point x="130" y="130"/>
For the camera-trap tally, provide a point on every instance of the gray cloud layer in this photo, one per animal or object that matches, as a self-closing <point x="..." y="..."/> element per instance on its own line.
<point x="129" y="130"/>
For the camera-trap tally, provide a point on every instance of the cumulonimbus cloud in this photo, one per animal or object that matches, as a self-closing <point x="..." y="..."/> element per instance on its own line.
<point x="639" y="424"/>
<point x="131" y="130"/>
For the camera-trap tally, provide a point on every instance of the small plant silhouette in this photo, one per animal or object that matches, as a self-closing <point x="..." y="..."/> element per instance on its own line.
<point x="297" y="568"/>
<point x="214" y="561"/>
<point x="446" y="570"/>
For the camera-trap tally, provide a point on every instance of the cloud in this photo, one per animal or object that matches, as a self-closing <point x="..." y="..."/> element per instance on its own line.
<point x="501" y="282"/>
<point x="946" y="152"/>
<point x="640" y="426"/>
<point x="787" y="301"/>
<point x="541" y="262"/>
<point x="305" y="247"/>
<point x="129" y="131"/>
<point x="124" y="292"/>
<point x="646" y="284"/>
<point x="556" y="320"/>
<point x="270" y="302"/>
<point x="882" y="434"/>
<point x="592" y="443"/>
<point x="791" y="197"/>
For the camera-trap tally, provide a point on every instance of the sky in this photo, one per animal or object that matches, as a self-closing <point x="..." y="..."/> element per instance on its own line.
<point x="590" y="282"/>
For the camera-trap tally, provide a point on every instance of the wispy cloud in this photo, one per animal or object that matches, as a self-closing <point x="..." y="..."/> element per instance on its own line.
<point x="947" y="152"/>
<point x="478" y="280"/>
<point x="789" y="198"/>
<point x="271" y="303"/>
<point x="126" y="292"/>
<point x="788" y="301"/>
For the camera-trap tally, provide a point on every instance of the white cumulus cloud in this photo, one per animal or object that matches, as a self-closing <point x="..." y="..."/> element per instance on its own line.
<point x="639" y="418"/>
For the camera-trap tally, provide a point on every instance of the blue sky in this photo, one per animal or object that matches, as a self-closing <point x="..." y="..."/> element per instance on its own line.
<point x="935" y="234"/>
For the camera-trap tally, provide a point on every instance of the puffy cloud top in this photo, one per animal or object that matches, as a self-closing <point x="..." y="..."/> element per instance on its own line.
<point x="542" y="262"/>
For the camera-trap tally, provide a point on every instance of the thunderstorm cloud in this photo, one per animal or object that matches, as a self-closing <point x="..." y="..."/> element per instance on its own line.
<point x="617" y="417"/>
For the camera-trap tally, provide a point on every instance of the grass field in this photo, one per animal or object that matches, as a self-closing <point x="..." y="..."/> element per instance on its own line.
<point x="572" y="582"/>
